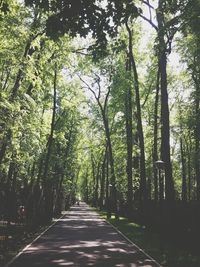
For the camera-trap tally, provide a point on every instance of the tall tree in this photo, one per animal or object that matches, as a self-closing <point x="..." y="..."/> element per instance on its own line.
<point x="143" y="189"/>
<point x="104" y="113"/>
<point x="129" y="135"/>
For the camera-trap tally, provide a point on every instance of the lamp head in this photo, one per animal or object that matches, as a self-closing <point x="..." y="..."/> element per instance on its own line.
<point x="160" y="164"/>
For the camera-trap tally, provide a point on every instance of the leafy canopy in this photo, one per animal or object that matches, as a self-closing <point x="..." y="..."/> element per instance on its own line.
<point x="81" y="17"/>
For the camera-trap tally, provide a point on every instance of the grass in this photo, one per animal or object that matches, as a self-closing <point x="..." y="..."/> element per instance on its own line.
<point x="167" y="252"/>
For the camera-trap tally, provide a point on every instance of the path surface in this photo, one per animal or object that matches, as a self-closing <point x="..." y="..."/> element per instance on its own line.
<point x="81" y="238"/>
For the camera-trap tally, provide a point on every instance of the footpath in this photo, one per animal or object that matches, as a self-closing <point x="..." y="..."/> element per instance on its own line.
<point x="79" y="239"/>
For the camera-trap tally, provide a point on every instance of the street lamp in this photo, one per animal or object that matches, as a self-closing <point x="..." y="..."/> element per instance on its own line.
<point x="160" y="165"/>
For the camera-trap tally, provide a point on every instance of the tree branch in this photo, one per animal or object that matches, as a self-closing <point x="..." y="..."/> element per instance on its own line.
<point x="89" y="87"/>
<point x="98" y="83"/>
<point x="149" y="21"/>
<point x="148" y="4"/>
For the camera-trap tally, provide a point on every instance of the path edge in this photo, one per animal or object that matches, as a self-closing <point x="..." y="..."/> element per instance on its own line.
<point x="33" y="241"/>
<point x="131" y="242"/>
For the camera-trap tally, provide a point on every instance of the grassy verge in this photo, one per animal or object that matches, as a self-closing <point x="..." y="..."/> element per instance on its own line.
<point x="166" y="252"/>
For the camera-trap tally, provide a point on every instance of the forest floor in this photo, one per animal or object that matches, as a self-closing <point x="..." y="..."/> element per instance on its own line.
<point x="16" y="240"/>
<point x="168" y="252"/>
<point x="82" y="238"/>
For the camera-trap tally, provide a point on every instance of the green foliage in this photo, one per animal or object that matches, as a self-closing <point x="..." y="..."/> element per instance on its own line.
<point x="87" y="43"/>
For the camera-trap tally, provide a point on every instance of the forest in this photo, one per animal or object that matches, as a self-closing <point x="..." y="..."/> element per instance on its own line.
<point x="100" y="101"/>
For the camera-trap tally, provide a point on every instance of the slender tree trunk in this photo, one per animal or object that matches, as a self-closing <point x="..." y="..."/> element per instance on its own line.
<point x="86" y="184"/>
<point x="32" y="175"/>
<point x="60" y="183"/>
<point x="47" y="186"/>
<point x="5" y="143"/>
<point x="107" y="179"/>
<point x="197" y="140"/>
<point x="189" y="170"/>
<point x="3" y="68"/>
<point x="9" y="192"/>
<point x="165" y="126"/>
<point x="103" y="177"/>
<point x="103" y="110"/>
<point x="93" y="179"/>
<point x="97" y="185"/>
<point x="112" y="169"/>
<point x="20" y="76"/>
<point x="27" y="52"/>
<point x="184" y="182"/>
<point x="155" y="138"/>
<point x="129" y="137"/>
<point x="57" y="185"/>
<point x="143" y="187"/>
<point x="50" y="139"/>
<point x="5" y="83"/>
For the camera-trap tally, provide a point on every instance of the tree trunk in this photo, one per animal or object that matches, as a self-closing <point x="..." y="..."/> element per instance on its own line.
<point x="183" y="162"/>
<point x="197" y="138"/>
<point x="107" y="179"/>
<point x="5" y="143"/>
<point x="165" y="126"/>
<point x="103" y="110"/>
<point x="143" y="189"/>
<point x="93" y="179"/>
<point x="97" y="185"/>
<point x="27" y="52"/>
<point x="188" y="149"/>
<point x="47" y="187"/>
<point x="19" y="77"/>
<point x="103" y="177"/>
<point x="129" y="137"/>
<point x="50" y="139"/>
<point x="9" y="192"/>
<point x="86" y="185"/>
<point x="5" y="84"/>
<point x="155" y="137"/>
<point x="112" y="169"/>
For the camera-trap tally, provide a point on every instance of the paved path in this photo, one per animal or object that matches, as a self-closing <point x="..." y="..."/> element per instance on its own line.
<point x="81" y="238"/>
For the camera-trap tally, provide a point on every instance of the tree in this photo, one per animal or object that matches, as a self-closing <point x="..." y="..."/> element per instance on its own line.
<point x="103" y="111"/>
<point x="190" y="46"/>
<point x="143" y="192"/>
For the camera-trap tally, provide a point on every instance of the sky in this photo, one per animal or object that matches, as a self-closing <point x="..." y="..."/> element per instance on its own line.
<point x="174" y="58"/>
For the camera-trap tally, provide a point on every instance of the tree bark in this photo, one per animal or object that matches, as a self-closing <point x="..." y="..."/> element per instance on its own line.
<point x="50" y="139"/>
<point x="155" y="137"/>
<point x="47" y="187"/>
<point x="107" y="179"/>
<point x="188" y="149"/>
<point x="93" y="179"/>
<point x="103" y="178"/>
<point x="184" y="180"/>
<point x="165" y="125"/>
<point x="143" y="187"/>
<point x="103" y="110"/>
<point x="197" y="136"/>
<point x="111" y="160"/>
<point x="129" y="137"/>
<point x="97" y="184"/>
<point x="5" y="143"/>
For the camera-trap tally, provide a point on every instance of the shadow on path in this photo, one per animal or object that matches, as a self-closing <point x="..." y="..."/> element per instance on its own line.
<point x="81" y="238"/>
